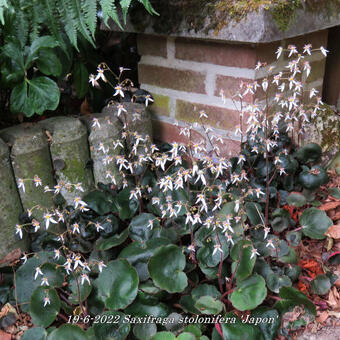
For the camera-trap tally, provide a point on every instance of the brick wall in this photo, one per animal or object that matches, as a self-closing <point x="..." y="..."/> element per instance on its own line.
<point x="186" y="76"/>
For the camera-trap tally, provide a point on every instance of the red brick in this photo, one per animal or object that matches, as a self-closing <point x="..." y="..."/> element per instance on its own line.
<point x="230" y="86"/>
<point x="218" y="117"/>
<point x="216" y="53"/>
<point x="170" y="78"/>
<point x="160" y="106"/>
<point x="229" y="148"/>
<point x="167" y="132"/>
<point x="151" y="45"/>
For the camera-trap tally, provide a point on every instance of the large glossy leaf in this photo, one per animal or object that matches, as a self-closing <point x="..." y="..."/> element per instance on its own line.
<point x="186" y="336"/>
<point x="48" y="63"/>
<point x="99" y="201"/>
<point x="275" y="282"/>
<point x="291" y="297"/>
<point x="205" y="290"/>
<point x="271" y="327"/>
<point x="126" y="207"/>
<point x="140" y="229"/>
<point x="142" y="308"/>
<point x="249" y="293"/>
<point x="208" y="258"/>
<point x="115" y="327"/>
<point x="164" y="336"/>
<point x="70" y="332"/>
<point x="118" y="284"/>
<point x="78" y="290"/>
<point x="36" y="333"/>
<point x="113" y="241"/>
<point x="254" y="213"/>
<point x="236" y="329"/>
<point x="296" y="199"/>
<point x="166" y="269"/>
<point x="315" y="223"/>
<point x="313" y="178"/>
<point x="309" y="153"/>
<point x="208" y="305"/>
<point x="44" y="315"/>
<point x="144" y="331"/>
<point x="241" y="254"/>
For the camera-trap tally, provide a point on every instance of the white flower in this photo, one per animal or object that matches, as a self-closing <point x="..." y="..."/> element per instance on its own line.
<point x="98" y="226"/>
<point x="84" y="277"/>
<point x="18" y="230"/>
<point x="37" y="181"/>
<point x="48" y="218"/>
<point x="21" y="184"/>
<point x="77" y="262"/>
<point x="217" y="247"/>
<point x="56" y="254"/>
<point x="150" y="225"/>
<point x="37" y="272"/>
<point x="120" y="108"/>
<point x="36" y="225"/>
<point x="24" y="258"/>
<point x="77" y="201"/>
<point x="119" y="90"/>
<point x="191" y="248"/>
<point x="93" y="80"/>
<point x="306" y="49"/>
<point x="270" y="244"/>
<point x="47" y="301"/>
<point x="324" y="51"/>
<point x="44" y="281"/>
<point x="75" y="228"/>
<point x="203" y="114"/>
<point x="282" y="171"/>
<point x="230" y="239"/>
<point x="68" y="264"/>
<point x="148" y="99"/>
<point x="101" y="265"/>
<point x="279" y="52"/>
<point x="259" y="192"/>
<point x="266" y="232"/>
<point x="237" y="206"/>
<point x="95" y="122"/>
<point x="253" y="253"/>
<point x="100" y="74"/>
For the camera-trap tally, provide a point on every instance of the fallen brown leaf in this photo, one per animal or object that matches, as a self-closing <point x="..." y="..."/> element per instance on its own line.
<point x="334" y="299"/>
<point x="329" y="206"/>
<point x="336" y="314"/>
<point x="11" y="257"/>
<point x="4" y="335"/>
<point x="333" y="231"/>
<point x="322" y="317"/>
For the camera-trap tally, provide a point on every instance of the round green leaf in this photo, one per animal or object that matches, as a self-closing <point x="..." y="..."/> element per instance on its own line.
<point x="113" y="241"/>
<point x="275" y="282"/>
<point x="115" y="328"/>
<point x="296" y="199"/>
<point x="36" y="333"/>
<point x="166" y="269"/>
<point x="321" y="285"/>
<point x="144" y="331"/>
<point x="309" y="153"/>
<point x="241" y="253"/>
<point x="249" y="293"/>
<point x="118" y="284"/>
<point x="154" y="308"/>
<point x="54" y="275"/>
<point x="315" y="223"/>
<point x="291" y="297"/>
<point x="44" y="315"/>
<point x="48" y="62"/>
<point x="84" y="289"/>
<point x="208" y="305"/>
<point x="270" y="328"/>
<point x="186" y="336"/>
<point x="205" y="290"/>
<point x="140" y="229"/>
<point x="188" y="304"/>
<point x="126" y="207"/>
<point x="164" y="336"/>
<point x="69" y="332"/>
<point x="254" y="213"/>
<point x="313" y="178"/>
<point x="291" y="257"/>
<point x="236" y="329"/>
<point x="99" y="201"/>
<point x="206" y="256"/>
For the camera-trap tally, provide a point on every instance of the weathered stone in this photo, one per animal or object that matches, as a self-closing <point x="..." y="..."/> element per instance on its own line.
<point x="69" y="148"/>
<point x="181" y="80"/>
<point x="31" y="157"/>
<point x="10" y="205"/>
<point x="108" y="131"/>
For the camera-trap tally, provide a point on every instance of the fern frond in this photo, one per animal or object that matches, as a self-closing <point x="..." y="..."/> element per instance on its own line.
<point x="21" y="27"/>
<point x="148" y="6"/>
<point x="80" y="21"/>
<point x="68" y="18"/>
<point x="125" y="4"/>
<point x="3" y="6"/>
<point x="89" y="8"/>
<point x="109" y="10"/>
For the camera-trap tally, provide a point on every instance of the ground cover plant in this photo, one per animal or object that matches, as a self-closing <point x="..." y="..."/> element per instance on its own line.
<point x="188" y="233"/>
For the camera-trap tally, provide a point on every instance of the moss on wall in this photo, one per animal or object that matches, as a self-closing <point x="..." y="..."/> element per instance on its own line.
<point x="205" y="15"/>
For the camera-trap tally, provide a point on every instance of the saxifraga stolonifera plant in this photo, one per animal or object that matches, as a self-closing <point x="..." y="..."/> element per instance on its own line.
<point x="186" y="220"/>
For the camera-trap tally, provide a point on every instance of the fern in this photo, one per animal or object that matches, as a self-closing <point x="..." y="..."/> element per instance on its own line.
<point x="125" y="4"/>
<point x="109" y="10"/>
<point x="3" y="6"/>
<point x="69" y="21"/>
<point x="89" y="7"/>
